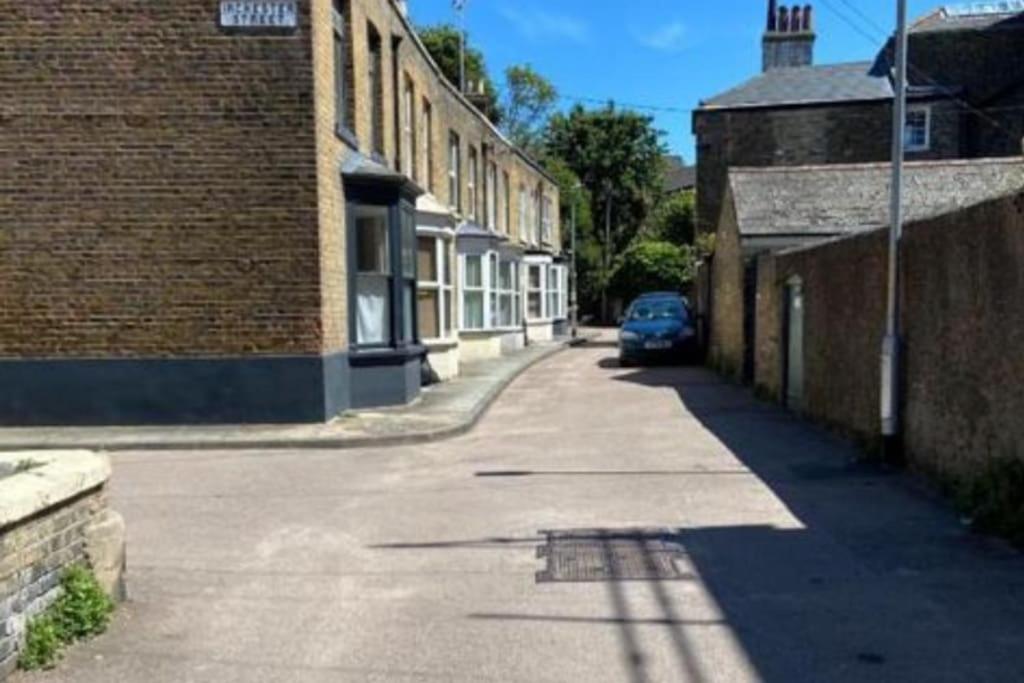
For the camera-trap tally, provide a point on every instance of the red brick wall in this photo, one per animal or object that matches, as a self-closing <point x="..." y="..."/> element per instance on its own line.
<point x="157" y="183"/>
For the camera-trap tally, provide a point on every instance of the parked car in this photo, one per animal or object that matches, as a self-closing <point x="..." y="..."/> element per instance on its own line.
<point x="657" y="326"/>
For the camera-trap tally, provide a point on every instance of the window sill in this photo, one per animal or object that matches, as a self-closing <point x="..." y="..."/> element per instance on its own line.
<point x="441" y="343"/>
<point x="346" y="136"/>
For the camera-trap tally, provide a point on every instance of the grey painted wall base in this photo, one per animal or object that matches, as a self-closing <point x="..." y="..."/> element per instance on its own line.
<point x="389" y="379"/>
<point x="173" y="391"/>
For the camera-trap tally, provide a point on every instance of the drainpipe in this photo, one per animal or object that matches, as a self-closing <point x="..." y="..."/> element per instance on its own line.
<point x="890" y="399"/>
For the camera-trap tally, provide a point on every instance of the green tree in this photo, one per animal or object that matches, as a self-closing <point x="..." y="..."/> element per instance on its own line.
<point x="654" y="265"/>
<point x="442" y="42"/>
<point x="527" y="104"/>
<point x="673" y="218"/>
<point x="617" y="154"/>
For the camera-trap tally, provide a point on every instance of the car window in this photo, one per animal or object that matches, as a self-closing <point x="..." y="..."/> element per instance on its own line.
<point x="657" y="310"/>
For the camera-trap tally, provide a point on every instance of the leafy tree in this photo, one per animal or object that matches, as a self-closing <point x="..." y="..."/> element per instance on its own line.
<point x="442" y="42"/>
<point x="654" y="265"/>
<point x="617" y="154"/>
<point x="673" y="219"/>
<point x="529" y="100"/>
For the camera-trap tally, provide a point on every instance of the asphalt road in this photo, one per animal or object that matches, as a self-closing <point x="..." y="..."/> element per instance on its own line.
<point x="784" y="560"/>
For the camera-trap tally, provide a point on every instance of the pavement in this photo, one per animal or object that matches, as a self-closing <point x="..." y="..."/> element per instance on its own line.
<point x="789" y="561"/>
<point x="442" y="411"/>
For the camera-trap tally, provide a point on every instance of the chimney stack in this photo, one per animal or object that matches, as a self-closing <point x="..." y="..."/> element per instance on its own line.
<point x="789" y="37"/>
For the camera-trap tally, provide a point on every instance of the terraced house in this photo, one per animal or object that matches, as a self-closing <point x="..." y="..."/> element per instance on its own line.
<point x="260" y="211"/>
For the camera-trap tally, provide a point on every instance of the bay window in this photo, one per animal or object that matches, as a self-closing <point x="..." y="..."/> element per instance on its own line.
<point x="373" y="276"/>
<point x="474" y="292"/>
<point x="434" y="290"/>
<point x="509" y="297"/>
<point x="535" y="291"/>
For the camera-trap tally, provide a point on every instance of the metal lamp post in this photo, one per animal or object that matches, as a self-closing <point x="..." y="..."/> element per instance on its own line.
<point x="890" y="365"/>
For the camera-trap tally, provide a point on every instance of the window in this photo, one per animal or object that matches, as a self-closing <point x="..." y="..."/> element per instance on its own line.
<point x="471" y="172"/>
<point x="509" y="311"/>
<point x="491" y="191"/>
<point x="537" y="217"/>
<point x="556" y="292"/>
<point x="546" y="219"/>
<point x="918" y="129"/>
<point x="506" y="194"/>
<point x="409" y="166"/>
<point x="373" y="310"/>
<point x="342" y="83"/>
<point x="524" y="214"/>
<point x="473" y="292"/>
<point x="408" y="282"/>
<point x="376" y="81"/>
<point x="435" y="288"/>
<point x="535" y="292"/>
<point x="426" y="175"/>
<point x="454" y="172"/>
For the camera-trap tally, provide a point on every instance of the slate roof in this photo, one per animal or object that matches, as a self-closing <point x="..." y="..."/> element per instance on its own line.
<point x="976" y="16"/>
<point x="806" y="85"/>
<point x="678" y="176"/>
<point x="845" y="198"/>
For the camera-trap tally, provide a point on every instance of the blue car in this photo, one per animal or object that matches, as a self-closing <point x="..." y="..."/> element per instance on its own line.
<point x="657" y="327"/>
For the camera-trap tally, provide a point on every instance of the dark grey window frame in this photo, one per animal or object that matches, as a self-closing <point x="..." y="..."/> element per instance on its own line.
<point x="397" y="204"/>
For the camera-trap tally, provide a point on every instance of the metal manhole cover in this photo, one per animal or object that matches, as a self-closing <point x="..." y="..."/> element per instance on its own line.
<point x="610" y="555"/>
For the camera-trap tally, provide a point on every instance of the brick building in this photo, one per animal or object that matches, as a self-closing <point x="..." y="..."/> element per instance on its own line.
<point x="966" y="99"/>
<point x="782" y="209"/>
<point x="251" y="211"/>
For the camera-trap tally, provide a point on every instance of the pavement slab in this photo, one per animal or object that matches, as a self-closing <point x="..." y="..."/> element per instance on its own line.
<point x="796" y="562"/>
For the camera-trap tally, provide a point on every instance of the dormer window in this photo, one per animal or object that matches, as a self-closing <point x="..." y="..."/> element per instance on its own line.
<point x="918" y="129"/>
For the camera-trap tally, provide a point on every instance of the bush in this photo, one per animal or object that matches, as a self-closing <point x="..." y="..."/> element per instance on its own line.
<point x="82" y="610"/>
<point x="654" y="265"/>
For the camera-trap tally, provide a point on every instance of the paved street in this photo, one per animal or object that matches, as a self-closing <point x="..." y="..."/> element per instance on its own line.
<point x="420" y="563"/>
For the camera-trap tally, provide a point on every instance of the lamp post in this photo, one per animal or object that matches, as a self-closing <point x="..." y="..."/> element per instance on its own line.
<point x="574" y="290"/>
<point x="890" y="398"/>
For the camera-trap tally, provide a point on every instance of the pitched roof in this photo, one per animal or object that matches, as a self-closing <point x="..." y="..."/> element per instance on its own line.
<point x="678" y="176"/>
<point x="845" y="198"/>
<point x="806" y="85"/>
<point x="975" y="16"/>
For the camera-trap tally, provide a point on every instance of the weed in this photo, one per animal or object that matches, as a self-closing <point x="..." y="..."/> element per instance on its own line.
<point x="81" y="611"/>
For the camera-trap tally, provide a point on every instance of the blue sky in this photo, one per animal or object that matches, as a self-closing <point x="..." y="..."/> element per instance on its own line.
<point x="660" y="53"/>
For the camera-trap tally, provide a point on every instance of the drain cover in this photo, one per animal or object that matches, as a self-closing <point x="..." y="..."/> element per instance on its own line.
<point x="610" y="555"/>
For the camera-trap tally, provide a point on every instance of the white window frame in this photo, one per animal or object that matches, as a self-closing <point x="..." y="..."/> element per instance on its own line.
<point x="443" y="285"/>
<point x="540" y="291"/>
<point x="926" y="110"/>
<point x="472" y="168"/>
<point x="524" y="215"/>
<point x="483" y="288"/>
<point x="409" y="165"/>
<point x="426" y="173"/>
<point x="546" y="219"/>
<point x="491" y="195"/>
<point x="504" y="202"/>
<point x="512" y="294"/>
<point x="454" y="174"/>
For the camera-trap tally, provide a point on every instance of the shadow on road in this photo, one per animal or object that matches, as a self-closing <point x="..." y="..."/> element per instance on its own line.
<point x="881" y="583"/>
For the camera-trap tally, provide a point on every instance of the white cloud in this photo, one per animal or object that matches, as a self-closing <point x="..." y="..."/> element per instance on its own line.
<point x="539" y="24"/>
<point x="667" y="37"/>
